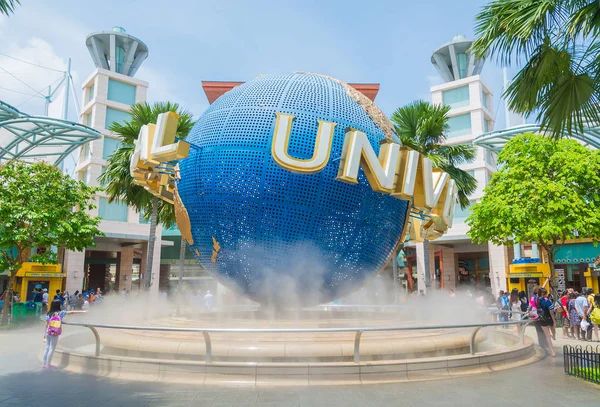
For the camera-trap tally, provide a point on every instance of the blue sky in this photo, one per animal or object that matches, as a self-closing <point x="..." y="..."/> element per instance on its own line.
<point x="387" y="42"/>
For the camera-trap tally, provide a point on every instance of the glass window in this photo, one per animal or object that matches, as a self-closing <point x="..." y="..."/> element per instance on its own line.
<point x="88" y="120"/>
<point x="457" y="97"/>
<point x="459" y="125"/>
<point x="86" y="151"/>
<point x="91" y="93"/>
<point x="462" y="214"/>
<point x="462" y="59"/>
<point x="486" y="127"/>
<point x="489" y="157"/>
<point x="112" y="211"/>
<point x="484" y="99"/>
<point x="110" y="145"/>
<point x="121" y="92"/>
<point x="84" y="176"/>
<point x="471" y="173"/>
<point x="114" y="115"/>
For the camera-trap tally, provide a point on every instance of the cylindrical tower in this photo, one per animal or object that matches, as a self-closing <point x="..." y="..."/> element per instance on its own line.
<point x="117" y="51"/>
<point x="454" y="60"/>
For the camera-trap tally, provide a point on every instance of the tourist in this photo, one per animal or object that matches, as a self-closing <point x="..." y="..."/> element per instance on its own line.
<point x="523" y="299"/>
<point x="582" y="308"/>
<point x="564" y="315"/>
<point x="45" y="300"/>
<point x="515" y="307"/>
<point x="574" y="316"/>
<point x="52" y="331"/>
<point x="208" y="301"/>
<point x="595" y="316"/>
<point x="545" y="319"/>
<point x="37" y="295"/>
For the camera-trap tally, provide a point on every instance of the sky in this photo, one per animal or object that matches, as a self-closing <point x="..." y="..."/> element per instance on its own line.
<point x="380" y="41"/>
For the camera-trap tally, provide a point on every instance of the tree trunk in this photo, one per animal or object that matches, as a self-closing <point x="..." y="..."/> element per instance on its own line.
<point x="6" y="316"/>
<point x="180" y="277"/>
<point x="151" y="241"/>
<point x="552" y="283"/>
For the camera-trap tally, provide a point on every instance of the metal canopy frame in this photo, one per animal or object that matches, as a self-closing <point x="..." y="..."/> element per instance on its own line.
<point x="29" y="138"/>
<point x="495" y="140"/>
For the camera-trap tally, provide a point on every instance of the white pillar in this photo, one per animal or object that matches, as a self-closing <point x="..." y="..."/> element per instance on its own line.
<point x="517" y="251"/>
<point x="74" y="269"/>
<point x="421" y="269"/>
<point x="498" y="266"/>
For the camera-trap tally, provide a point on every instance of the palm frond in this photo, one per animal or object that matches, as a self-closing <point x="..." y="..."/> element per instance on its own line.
<point x="422" y="126"/>
<point x="8" y="6"/>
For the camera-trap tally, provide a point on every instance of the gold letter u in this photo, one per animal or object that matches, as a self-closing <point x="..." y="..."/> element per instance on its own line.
<point x="281" y="140"/>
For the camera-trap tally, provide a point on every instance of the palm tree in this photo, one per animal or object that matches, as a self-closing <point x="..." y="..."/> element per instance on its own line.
<point x="8" y="6"/>
<point x="120" y="186"/>
<point x="559" y="43"/>
<point x="422" y="127"/>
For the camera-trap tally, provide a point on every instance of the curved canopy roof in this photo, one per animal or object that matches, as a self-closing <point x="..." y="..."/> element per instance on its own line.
<point x="495" y="140"/>
<point x="44" y="138"/>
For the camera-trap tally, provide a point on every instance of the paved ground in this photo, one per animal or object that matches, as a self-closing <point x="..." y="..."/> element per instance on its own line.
<point x="22" y="383"/>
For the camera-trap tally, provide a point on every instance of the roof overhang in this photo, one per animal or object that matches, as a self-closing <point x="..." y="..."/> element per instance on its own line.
<point x="215" y="89"/>
<point x="39" y="138"/>
<point x="495" y="140"/>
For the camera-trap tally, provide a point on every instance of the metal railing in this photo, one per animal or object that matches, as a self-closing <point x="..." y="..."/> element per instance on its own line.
<point x="358" y="331"/>
<point x="582" y="362"/>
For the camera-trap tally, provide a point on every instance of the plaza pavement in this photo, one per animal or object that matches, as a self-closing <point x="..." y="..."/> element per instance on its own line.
<point x="23" y="383"/>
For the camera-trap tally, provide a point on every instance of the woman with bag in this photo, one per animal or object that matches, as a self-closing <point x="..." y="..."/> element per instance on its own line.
<point x="53" y="331"/>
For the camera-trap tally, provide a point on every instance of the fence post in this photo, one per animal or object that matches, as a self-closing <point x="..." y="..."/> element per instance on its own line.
<point x="357" y="346"/>
<point x="472" y="342"/>
<point x="208" y="346"/>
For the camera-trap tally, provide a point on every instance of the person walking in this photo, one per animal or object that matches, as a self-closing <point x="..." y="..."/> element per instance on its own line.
<point x="545" y="319"/>
<point x="52" y="332"/>
<point x="208" y="301"/>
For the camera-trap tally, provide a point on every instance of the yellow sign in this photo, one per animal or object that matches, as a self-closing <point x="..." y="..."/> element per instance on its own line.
<point x="52" y="275"/>
<point x="525" y="275"/>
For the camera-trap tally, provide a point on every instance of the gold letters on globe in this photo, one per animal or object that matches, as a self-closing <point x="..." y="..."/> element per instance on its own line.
<point x="398" y="171"/>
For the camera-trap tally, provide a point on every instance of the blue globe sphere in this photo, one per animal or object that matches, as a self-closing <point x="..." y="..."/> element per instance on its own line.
<point x="284" y="237"/>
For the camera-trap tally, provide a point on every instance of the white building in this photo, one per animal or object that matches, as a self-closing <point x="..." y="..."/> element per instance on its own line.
<point x="108" y="93"/>
<point x="453" y="259"/>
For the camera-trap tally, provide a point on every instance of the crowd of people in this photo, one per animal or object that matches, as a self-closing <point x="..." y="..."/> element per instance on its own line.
<point x="577" y="312"/>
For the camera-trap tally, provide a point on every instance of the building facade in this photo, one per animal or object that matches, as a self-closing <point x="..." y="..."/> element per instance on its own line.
<point x="119" y="259"/>
<point x="454" y="261"/>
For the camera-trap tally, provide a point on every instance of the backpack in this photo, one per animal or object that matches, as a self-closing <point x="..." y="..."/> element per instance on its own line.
<point x="55" y="325"/>
<point x="595" y="315"/>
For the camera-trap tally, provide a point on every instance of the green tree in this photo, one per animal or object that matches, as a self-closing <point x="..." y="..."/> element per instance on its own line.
<point x="546" y="192"/>
<point x="8" y="6"/>
<point x="117" y="180"/>
<point x="422" y="127"/>
<point x="41" y="207"/>
<point x="558" y="42"/>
